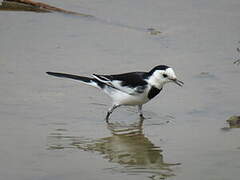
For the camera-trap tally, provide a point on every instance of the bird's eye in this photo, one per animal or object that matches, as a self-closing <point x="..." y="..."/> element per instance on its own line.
<point x="165" y="75"/>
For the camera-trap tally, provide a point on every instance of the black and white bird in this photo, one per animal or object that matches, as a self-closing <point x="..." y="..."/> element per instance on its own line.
<point x="131" y="89"/>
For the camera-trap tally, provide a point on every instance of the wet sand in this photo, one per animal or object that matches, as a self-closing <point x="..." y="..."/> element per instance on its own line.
<point x="54" y="128"/>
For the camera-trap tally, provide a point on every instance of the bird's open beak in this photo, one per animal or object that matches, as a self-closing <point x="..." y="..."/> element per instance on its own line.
<point x="178" y="82"/>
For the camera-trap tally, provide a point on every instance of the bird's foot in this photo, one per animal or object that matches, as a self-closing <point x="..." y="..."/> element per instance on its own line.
<point x="107" y="117"/>
<point x="141" y="116"/>
<point x="106" y="120"/>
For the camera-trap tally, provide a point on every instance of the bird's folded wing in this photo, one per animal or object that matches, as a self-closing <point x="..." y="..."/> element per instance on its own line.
<point x="121" y="84"/>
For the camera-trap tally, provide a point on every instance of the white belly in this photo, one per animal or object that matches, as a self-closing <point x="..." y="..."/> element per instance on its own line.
<point x="122" y="98"/>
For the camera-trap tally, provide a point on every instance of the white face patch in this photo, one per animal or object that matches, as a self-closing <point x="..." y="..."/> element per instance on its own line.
<point x="158" y="79"/>
<point x="158" y="74"/>
<point x="171" y="73"/>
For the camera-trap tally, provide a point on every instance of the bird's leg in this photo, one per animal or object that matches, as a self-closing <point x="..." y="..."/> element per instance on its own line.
<point x="140" y="111"/>
<point x="110" y="111"/>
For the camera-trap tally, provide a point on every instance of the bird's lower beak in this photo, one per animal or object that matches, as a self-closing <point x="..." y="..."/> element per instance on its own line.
<point x="178" y="82"/>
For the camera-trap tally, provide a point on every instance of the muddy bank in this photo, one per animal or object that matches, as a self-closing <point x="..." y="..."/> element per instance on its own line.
<point x="29" y="5"/>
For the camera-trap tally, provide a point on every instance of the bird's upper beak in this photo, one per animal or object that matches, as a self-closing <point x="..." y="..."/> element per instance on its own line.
<point x="178" y="82"/>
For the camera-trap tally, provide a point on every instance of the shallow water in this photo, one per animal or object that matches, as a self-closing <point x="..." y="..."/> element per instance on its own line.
<point x="127" y="146"/>
<point x="54" y="128"/>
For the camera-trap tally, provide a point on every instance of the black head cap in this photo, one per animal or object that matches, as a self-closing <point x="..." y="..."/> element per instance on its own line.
<point x="160" y="67"/>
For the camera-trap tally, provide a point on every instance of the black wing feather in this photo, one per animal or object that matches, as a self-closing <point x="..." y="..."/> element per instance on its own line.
<point x="132" y="79"/>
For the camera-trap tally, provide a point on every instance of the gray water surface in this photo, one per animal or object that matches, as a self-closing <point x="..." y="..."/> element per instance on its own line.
<point x="54" y="129"/>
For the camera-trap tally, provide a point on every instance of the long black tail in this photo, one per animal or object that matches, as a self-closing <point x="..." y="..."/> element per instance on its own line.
<point x="70" y="76"/>
<point x="86" y="80"/>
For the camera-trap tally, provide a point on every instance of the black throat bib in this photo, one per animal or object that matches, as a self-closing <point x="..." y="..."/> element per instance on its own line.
<point x="153" y="92"/>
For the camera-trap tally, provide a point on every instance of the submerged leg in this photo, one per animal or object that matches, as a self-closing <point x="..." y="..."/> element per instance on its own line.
<point x="140" y="111"/>
<point x="110" y="111"/>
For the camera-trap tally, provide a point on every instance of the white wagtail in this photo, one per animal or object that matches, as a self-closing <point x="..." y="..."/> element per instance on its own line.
<point x="133" y="88"/>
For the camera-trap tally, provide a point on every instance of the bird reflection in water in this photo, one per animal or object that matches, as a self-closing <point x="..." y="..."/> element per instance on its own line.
<point x="127" y="146"/>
